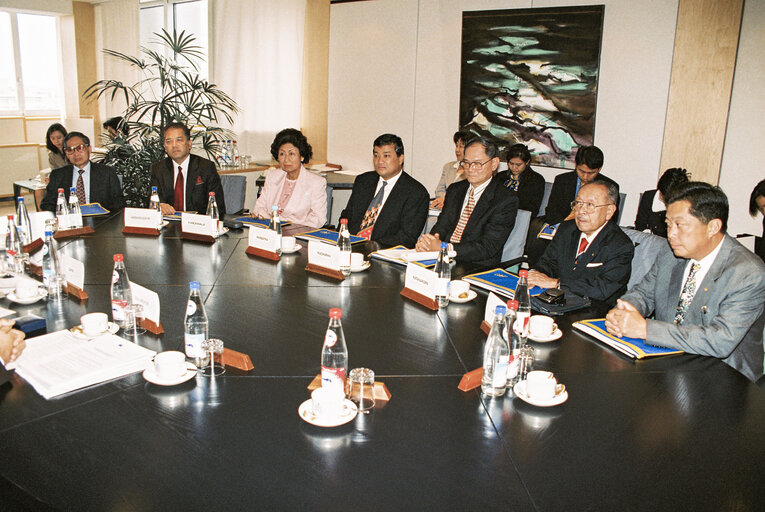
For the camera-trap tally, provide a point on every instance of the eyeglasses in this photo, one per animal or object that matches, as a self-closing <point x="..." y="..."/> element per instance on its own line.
<point x="475" y="166"/>
<point x="588" y="207"/>
<point x="75" y="149"/>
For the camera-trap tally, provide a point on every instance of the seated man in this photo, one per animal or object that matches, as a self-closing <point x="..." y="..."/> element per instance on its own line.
<point x="707" y="294"/>
<point x="589" y="255"/>
<point x="93" y="182"/>
<point x="183" y="180"/>
<point x="479" y="212"/>
<point x="387" y="205"/>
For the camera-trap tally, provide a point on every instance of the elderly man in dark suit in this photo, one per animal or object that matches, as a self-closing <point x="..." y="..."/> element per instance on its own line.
<point x="387" y="205"/>
<point x="478" y="213"/>
<point x="707" y="294"/>
<point x="93" y="182"/>
<point x="183" y="180"/>
<point x="589" y="255"/>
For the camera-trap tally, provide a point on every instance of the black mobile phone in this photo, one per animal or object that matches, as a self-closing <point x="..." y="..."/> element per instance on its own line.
<point x="552" y="296"/>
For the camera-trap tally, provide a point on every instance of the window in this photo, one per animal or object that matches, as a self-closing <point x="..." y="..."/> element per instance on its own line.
<point x="30" y="68"/>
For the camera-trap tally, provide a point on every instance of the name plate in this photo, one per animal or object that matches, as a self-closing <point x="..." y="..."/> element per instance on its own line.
<point x="421" y="280"/>
<point x="323" y="255"/>
<point x="198" y="224"/>
<point x="492" y="301"/>
<point x="142" y="218"/>
<point x="264" y="239"/>
<point x="148" y="299"/>
<point x="37" y="220"/>
<point x="74" y="271"/>
<point x="69" y="220"/>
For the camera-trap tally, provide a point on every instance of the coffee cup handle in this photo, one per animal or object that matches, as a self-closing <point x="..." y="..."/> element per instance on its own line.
<point x="555" y="327"/>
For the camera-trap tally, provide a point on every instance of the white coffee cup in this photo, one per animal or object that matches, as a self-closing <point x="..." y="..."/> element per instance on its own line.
<point x="328" y="402"/>
<point x="540" y="385"/>
<point x="457" y="288"/>
<point x="357" y="259"/>
<point x="94" y="323"/>
<point x="288" y="243"/>
<point x="26" y="288"/>
<point x="170" y="364"/>
<point x="541" y="326"/>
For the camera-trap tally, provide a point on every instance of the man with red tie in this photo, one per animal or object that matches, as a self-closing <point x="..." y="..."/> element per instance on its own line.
<point x="183" y="180"/>
<point x="590" y="256"/>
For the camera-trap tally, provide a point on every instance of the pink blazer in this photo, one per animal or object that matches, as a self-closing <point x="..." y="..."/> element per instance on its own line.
<point x="308" y="204"/>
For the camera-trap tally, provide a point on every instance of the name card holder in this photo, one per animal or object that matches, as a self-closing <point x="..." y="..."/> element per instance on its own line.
<point x="149" y="300"/>
<point x="152" y="327"/>
<point x="32" y="246"/>
<point x="492" y="301"/>
<point x="261" y="243"/>
<point x="76" y="292"/>
<point x="382" y="394"/>
<point x="234" y="359"/>
<point x="420" y="286"/>
<point x="142" y="221"/>
<point x="197" y="227"/>
<point x="322" y="260"/>
<point x="471" y="380"/>
<point x="69" y="233"/>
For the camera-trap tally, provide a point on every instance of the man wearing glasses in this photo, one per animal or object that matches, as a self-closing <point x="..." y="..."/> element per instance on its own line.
<point x="588" y="256"/>
<point x="478" y="213"/>
<point x="93" y="182"/>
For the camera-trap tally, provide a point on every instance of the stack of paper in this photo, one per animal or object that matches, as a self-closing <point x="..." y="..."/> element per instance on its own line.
<point x="548" y="231"/>
<point x="499" y="281"/>
<point x="633" y="347"/>
<point x="400" y="255"/>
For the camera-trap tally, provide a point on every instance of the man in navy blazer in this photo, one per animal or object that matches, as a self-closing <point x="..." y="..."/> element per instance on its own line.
<point x="589" y="255"/>
<point x="707" y="294"/>
<point x="100" y="182"/>
<point x="487" y="227"/>
<point x="404" y="207"/>
<point x="200" y="177"/>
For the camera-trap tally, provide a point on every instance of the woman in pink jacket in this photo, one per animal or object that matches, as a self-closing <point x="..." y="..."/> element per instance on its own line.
<point x="300" y="195"/>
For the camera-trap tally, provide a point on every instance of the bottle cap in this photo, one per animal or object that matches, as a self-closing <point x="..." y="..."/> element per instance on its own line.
<point x="21" y="199"/>
<point x="444" y="245"/>
<point x="211" y="194"/>
<point x="523" y="273"/>
<point x="119" y="257"/>
<point x="72" y="189"/>
<point x="336" y="313"/>
<point x="343" y="221"/>
<point x="48" y="233"/>
<point x="10" y="217"/>
<point x="500" y="310"/>
<point x="194" y="285"/>
<point x="153" y="189"/>
<point x="61" y="191"/>
<point x="512" y="304"/>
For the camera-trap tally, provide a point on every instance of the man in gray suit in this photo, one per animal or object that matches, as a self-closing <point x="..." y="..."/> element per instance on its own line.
<point x="708" y="297"/>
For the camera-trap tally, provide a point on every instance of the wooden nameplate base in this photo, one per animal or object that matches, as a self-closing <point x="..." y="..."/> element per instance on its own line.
<point x="234" y="359"/>
<point x="420" y="299"/>
<point x="381" y="390"/>
<point x="262" y="253"/>
<point x="35" y="270"/>
<point x="199" y="238"/>
<point x="130" y="230"/>
<point x="471" y="380"/>
<point x="329" y="272"/>
<point x="485" y="327"/>
<point x="74" y="291"/>
<point x="152" y="327"/>
<point x="69" y="233"/>
<point x="32" y="246"/>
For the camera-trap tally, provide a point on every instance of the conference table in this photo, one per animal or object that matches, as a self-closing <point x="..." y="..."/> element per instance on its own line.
<point x="674" y="432"/>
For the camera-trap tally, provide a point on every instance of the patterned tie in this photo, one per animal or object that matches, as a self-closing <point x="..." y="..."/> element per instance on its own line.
<point x="457" y="235"/>
<point x="80" y="188"/>
<point x="512" y="183"/>
<point x="368" y="224"/>
<point x="179" y="191"/>
<point x="686" y="296"/>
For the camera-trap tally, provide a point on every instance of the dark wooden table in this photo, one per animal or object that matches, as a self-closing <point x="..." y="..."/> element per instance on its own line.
<point x="681" y="432"/>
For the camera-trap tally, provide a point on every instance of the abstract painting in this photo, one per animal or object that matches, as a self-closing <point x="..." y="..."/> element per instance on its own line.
<point x="531" y="76"/>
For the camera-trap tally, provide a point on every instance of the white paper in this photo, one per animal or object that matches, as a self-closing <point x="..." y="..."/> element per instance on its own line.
<point x="63" y="221"/>
<point x="492" y="301"/>
<point x="74" y="271"/>
<point x="37" y="220"/>
<point x="198" y="224"/>
<point x="142" y="218"/>
<point x="421" y="280"/>
<point x="407" y="255"/>
<point x="323" y="255"/>
<point x="264" y="239"/>
<point x="148" y="299"/>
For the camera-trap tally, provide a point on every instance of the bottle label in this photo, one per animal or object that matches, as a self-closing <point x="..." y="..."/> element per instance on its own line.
<point x="345" y="259"/>
<point x="512" y="368"/>
<point x="115" y="277"/>
<point x="521" y="326"/>
<point x="193" y="343"/>
<point x="333" y="377"/>
<point x="330" y="338"/>
<point x="500" y="375"/>
<point x="191" y="308"/>
<point x="48" y="276"/>
<point x="118" y="310"/>
<point x="442" y="287"/>
<point x="44" y="249"/>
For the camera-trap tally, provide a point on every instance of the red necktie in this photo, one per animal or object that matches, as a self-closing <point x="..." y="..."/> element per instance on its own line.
<point x="582" y="246"/>
<point x="179" y="190"/>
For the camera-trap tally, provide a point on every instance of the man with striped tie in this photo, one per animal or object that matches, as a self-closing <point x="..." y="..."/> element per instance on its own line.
<point x="479" y="211"/>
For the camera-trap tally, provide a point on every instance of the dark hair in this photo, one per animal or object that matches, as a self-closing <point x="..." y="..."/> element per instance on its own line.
<point x="297" y="139"/>
<point x="519" y="151"/>
<point x="611" y="190"/>
<point x="176" y="124"/>
<point x="707" y="201"/>
<point x="461" y="136"/>
<point x="55" y="127"/>
<point x="389" y="138"/>
<point x="759" y="191"/>
<point x="70" y="135"/>
<point x="118" y="124"/>
<point x="491" y="149"/>
<point x="672" y="178"/>
<point x="591" y="156"/>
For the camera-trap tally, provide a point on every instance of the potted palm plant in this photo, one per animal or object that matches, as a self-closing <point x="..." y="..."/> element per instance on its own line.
<point x="170" y="90"/>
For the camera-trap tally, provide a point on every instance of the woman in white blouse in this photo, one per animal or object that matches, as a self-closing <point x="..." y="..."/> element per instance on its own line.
<point x="300" y="195"/>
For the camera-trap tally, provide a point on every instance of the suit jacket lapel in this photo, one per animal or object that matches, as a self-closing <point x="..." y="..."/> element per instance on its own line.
<point x="481" y="206"/>
<point x="191" y="179"/>
<point x="454" y="214"/>
<point x="714" y="273"/>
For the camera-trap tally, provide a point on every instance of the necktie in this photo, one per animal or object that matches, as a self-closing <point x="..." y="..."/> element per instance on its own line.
<point x="457" y="235"/>
<point x="80" y="188"/>
<point x="583" y="243"/>
<point x="512" y="183"/>
<point x="368" y="223"/>
<point x="178" y="199"/>
<point x="686" y="296"/>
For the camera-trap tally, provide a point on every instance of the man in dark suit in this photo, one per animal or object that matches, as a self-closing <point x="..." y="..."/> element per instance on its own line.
<point x="520" y="178"/>
<point x="479" y="211"/>
<point x="184" y="181"/>
<point x="93" y="182"/>
<point x="707" y="294"/>
<point x="12" y="344"/>
<point x="589" y="255"/>
<point x="387" y="205"/>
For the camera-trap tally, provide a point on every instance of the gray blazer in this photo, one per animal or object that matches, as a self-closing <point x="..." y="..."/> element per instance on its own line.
<point x="726" y="316"/>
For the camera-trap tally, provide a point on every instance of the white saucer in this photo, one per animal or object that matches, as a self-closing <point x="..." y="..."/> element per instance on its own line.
<point x="554" y="336"/>
<point x="294" y="249"/>
<point x="305" y="411"/>
<point x="150" y="374"/>
<point x="111" y="328"/>
<point x="41" y="294"/>
<point x="361" y="268"/>
<point x="520" y="391"/>
<point x="471" y="295"/>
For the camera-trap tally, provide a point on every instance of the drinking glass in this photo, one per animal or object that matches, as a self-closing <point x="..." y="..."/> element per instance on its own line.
<point x="213" y="346"/>
<point x="362" y="388"/>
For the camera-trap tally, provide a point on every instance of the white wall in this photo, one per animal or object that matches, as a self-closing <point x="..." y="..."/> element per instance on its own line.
<point x="743" y="163"/>
<point x="395" y="66"/>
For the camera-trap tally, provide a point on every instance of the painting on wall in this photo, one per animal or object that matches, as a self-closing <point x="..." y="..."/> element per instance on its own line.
<point x="530" y="76"/>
